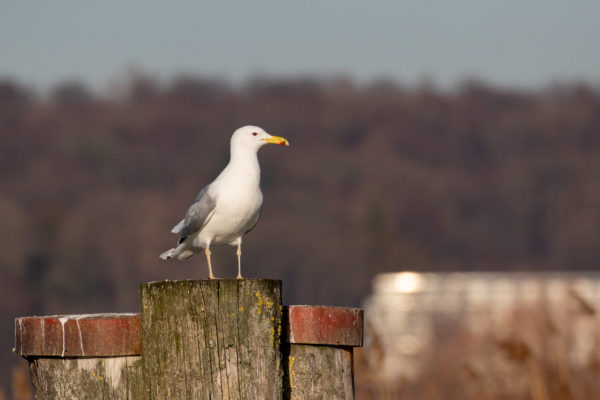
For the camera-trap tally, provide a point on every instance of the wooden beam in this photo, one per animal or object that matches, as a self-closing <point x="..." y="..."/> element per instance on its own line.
<point x="195" y="340"/>
<point x="217" y="339"/>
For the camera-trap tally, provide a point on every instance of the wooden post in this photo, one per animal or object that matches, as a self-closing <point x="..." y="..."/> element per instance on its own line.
<point x="196" y="340"/>
<point x="95" y="356"/>
<point x="319" y="356"/>
<point x="217" y="339"/>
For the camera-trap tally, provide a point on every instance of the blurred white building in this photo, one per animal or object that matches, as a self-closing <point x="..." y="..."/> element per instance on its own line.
<point x="407" y="310"/>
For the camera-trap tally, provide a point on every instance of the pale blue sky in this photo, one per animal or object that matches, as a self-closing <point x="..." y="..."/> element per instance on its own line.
<point x="510" y="42"/>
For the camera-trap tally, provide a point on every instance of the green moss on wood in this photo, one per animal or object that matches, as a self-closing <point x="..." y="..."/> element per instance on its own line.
<point x="212" y="339"/>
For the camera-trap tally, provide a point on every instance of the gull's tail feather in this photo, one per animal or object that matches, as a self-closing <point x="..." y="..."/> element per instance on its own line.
<point x="180" y="252"/>
<point x="167" y="254"/>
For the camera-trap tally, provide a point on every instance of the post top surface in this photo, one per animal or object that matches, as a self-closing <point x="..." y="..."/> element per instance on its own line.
<point x="212" y="281"/>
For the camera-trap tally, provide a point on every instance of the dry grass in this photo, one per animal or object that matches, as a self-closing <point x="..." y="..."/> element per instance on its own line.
<point x="539" y="354"/>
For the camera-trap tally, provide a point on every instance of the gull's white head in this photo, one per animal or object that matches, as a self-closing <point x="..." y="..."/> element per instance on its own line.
<point x="253" y="137"/>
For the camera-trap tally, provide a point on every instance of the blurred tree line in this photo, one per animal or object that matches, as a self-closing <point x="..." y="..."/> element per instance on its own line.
<point x="378" y="177"/>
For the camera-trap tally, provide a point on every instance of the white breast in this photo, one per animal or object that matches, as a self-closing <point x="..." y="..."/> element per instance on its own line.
<point x="238" y="201"/>
<point x="236" y="211"/>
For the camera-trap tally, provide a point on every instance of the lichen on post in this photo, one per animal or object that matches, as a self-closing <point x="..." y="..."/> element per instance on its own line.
<point x="217" y="339"/>
<point x="319" y="372"/>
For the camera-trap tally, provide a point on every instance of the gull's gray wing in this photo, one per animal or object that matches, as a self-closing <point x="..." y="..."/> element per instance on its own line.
<point x="197" y="215"/>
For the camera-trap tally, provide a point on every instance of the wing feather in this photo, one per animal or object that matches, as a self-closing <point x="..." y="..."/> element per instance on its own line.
<point x="198" y="214"/>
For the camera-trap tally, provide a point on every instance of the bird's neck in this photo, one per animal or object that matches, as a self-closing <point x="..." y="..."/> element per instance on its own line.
<point x="245" y="161"/>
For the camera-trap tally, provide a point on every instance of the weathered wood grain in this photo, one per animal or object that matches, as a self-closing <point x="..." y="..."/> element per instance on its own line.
<point x="318" y="373"/>
<point x="115" y="378"/>
<point x="217" y="339"/>
<point x="195" y="340"/>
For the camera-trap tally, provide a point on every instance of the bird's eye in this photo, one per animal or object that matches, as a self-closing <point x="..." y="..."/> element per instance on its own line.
<point x="254" y="133"/>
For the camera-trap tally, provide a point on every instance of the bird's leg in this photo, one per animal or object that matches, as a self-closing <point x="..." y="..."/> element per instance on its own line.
<point x="239" y="256"/>
<point x="207" y="253"/>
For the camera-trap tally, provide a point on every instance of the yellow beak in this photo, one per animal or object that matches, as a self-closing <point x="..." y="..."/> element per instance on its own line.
<point x="277" y="140"/>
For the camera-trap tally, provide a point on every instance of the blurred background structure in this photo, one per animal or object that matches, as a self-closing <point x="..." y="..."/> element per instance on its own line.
<point x="425" y="137"/>
<point x="473" y="335"/>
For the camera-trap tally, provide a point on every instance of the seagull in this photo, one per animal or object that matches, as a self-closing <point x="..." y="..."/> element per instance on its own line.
<point x="228" y="207"/>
